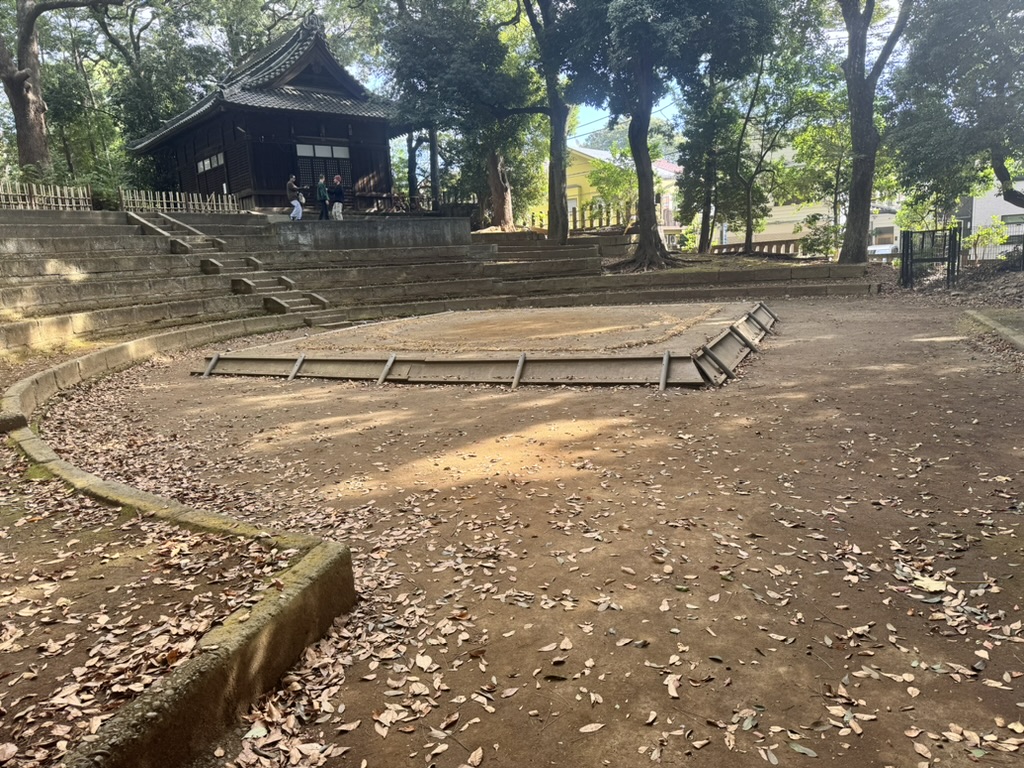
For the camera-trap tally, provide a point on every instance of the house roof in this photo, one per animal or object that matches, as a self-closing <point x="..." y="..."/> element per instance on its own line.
<point x="663" y="168"/>
<point x="272" y="79"/>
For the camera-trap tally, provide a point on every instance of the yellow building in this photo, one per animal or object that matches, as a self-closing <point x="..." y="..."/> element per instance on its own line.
<point x="582" y="194"/>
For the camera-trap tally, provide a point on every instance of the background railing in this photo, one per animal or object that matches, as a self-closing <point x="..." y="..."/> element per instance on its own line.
<point x="44" y="197"/>
<point x="764" y="246"/>
<point x="144" y="201"/>
<point x="590" y="217"/>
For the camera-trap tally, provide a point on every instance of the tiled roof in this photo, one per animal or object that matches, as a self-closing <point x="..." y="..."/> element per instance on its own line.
<point x="304" y="100"/>
<point x="253" y="85"/>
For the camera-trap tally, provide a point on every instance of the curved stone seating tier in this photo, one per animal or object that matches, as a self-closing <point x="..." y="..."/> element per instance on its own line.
<point x="97" y="265"/>
<point x="319" y="277"/>
<point x="124" y="320"/>
<point x="65" y="275"/>
<point x="57" y="297"/>
<point x="131" y="241"/>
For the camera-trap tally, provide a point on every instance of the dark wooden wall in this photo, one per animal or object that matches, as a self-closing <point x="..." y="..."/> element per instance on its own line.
<point x="259" y="153"/>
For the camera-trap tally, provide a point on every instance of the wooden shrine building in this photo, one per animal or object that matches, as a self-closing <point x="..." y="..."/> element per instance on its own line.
<point x="288" y="108"/>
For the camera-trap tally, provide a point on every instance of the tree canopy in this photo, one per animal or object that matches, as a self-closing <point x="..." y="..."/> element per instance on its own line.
<point x="811" y="107"/>
<point x="958" y="104"/>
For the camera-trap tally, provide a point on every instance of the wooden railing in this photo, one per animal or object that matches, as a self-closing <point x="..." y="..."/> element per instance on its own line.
<point x="44" y="197"/>
<point x="589" y="217"/>
<point x="144" y="201"/>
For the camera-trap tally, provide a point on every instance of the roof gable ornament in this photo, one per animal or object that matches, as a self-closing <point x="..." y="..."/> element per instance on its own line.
<point x="314" y="24"/>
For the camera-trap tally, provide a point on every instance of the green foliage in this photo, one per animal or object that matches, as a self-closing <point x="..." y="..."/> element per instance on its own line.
<point x="958" y="103"/>
<point x="615" y="181"/>
<point x="820" y="236"/>
<point x="994" y="234"/>
<point x="457" y="66"/>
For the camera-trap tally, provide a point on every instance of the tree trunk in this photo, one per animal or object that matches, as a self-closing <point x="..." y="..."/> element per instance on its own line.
<point x="435" y="173"/>
<point x="748" y="233"/>
<point x="410" y="172"/>
<point x="66" y="146"/>
<point x="651" y="252"/>
<point x="543" y="18"/>
<point x="558" y="204"/>
<point x="865" y="139"/>
<point x="706" y="215"/>
<point x="501" y="193"/>
<point x="21" y="84"/>
<point x="860" y="92"/>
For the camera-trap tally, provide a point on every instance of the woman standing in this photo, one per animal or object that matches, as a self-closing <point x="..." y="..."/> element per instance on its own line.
<point x="295" y="198"/>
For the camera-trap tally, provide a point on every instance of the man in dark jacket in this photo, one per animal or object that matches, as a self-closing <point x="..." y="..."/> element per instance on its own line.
<point x="322" y="198"/>
<point x="337" y="194"/>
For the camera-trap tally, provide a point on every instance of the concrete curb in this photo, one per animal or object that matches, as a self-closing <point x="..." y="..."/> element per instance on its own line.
<point x="236" y="662"/>
<point x="1014" y="338"/>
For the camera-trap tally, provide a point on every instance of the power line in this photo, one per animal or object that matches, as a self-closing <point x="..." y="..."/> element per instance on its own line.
<point x="675" y="103"/>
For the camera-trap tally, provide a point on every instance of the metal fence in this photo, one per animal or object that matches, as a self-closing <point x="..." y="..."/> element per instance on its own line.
<point x="44" y="197"/>
<point x="1012" y="250"/>
<point x="927" y="253"/>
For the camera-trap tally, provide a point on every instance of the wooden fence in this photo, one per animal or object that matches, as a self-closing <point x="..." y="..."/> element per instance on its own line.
<point x="44" y="197"/>
<point x="589" y="217"/>
<point x="144" y="201"/>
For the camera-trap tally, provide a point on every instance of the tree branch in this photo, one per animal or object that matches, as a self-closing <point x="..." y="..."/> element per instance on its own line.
<point x="499" y="111"/>
<point x="1010" y="194"/>
<point x="890" y="43"/>
<point x="514" y="20"/>
<point x="27" y="24"/>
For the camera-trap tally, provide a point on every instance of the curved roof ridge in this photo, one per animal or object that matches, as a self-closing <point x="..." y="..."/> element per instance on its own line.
<point x="276" y="57"/>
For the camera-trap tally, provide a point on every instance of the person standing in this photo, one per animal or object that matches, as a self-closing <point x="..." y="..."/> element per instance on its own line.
<point x="295" y="198"/>
<point x="337" y="199"/>
<point x="322" y="198"/>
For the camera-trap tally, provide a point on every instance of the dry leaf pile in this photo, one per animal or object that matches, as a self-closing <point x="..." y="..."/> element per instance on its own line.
<point x="96" y="606"/>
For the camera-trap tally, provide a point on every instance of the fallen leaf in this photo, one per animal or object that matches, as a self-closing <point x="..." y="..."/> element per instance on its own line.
<point x="591" y="727"/>
<point x="802" y="749"/>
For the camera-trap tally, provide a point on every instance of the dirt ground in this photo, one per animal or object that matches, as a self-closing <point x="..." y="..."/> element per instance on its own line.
<point x="820" y="561"/>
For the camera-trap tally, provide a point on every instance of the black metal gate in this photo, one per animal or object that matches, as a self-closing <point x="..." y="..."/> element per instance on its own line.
<point x="921" y="251"/>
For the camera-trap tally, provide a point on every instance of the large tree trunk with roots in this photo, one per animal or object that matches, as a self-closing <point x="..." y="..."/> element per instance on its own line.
<point x="651" y="252"/>
<point x="501" y="193"/>
<point x="19" y="72"/>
